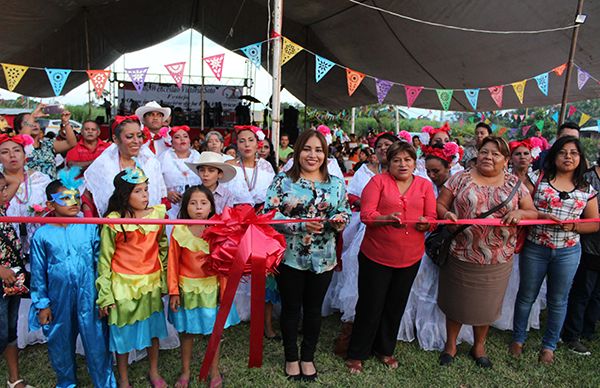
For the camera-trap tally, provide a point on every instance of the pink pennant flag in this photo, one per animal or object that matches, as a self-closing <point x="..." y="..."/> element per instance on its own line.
<point x="572" y="110"/>
<point x="412" y="92"/>
<point x="496" y="93"/>
<point x="215" y="63"/>
<point x="515" y="116"/>
<point x="525" y="129"/>
<point x="522" y="117"/>
<point x="176" y="70"/>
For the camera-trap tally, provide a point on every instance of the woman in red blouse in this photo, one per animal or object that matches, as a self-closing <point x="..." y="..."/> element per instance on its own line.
<point x="390" y="254"/>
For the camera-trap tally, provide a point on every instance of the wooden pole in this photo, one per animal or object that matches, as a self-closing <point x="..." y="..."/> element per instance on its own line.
<point x="276" y="112"/>
<point x="563" y="103"/>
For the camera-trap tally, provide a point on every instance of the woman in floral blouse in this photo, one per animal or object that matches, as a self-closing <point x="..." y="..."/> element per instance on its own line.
<point x="554" y="250"/>
<point x="306" y="191"/>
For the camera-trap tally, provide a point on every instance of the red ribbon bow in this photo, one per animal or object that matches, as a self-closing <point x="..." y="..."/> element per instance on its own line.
<point x="119" y="119"/>
<point x="22" y="140"/>
<point x="513" y="145"/>
<point x="179" y="128"/>
<point x="245" y="244"/>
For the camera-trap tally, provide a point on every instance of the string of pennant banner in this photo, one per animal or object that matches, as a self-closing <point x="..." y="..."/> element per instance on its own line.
<point x="58" y="77"/>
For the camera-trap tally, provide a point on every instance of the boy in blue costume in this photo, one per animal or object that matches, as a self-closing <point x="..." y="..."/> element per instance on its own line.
<point x="63" y="292"/>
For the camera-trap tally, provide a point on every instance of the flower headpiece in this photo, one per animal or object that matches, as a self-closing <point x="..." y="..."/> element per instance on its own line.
<point x="257" y="131"/>
<point x="450" y="152"/>
<point x="404" y="135"/>
<point x="135" y="175"/>
<point x="326" y="132"/>
<point x="533" y="144"/>
<point x="119" y="119"/>
<point x="431" y="132"/>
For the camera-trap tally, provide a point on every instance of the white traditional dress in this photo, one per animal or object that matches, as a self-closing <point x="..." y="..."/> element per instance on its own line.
<point x="342" y="294"/>
<point x="99" y="178"/>
<point x="31" y="192"/>
<point x="100" y="174"/>
<point x="422" y="317"/>
<point x="178" y="177"/>
<point x="249" y="186"/>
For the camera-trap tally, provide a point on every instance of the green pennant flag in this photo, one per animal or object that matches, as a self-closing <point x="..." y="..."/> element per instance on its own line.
<point x="471" y="120"/>
<point x="539" y="124"/>
<point x="445" y="96"/>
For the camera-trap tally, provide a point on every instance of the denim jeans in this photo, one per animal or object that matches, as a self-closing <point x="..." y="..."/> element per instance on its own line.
<point x="535" y="263"/>
<point x="9" y="313"/>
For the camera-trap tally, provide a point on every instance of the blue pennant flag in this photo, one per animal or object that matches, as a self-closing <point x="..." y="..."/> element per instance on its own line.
<point x="253" y="52"/>
<point x="58" y="78"/>
<point x="494" y="127"/>
<point x="598" y="125"/>
<point x="555" y="116"/>
<point x="542" y="83"/>
<point x="472" y="96"/>
<point x="322" y="67"/>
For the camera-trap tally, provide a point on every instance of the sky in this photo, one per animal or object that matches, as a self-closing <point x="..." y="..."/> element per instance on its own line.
<point x="177" y="49"/>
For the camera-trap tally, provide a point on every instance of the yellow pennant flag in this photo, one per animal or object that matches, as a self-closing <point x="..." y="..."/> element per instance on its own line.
<point x="519" y="89"/>
<point x="13" y="74"/>
<point x="584" y="118"/>
<point x="288" y="50"/>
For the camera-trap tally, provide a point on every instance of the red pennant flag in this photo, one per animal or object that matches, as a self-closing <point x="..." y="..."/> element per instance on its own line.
<point x="496" y="93"/>
<point x="215" y="63"/>
<point x="412" y="92"/>
<point x="176" y="70"/>
<point x="98" y="78"/>
<point x="559" y="70"/>
<point x="354" y="79"/>
<point x="502" y="131"/>
<point x="275" y="34"/>
<point x="572" y="110"/>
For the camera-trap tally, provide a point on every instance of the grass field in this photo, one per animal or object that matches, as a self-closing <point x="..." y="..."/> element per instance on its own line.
<point x="418" y="368"/>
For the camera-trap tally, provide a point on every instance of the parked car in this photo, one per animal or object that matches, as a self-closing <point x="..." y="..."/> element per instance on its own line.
<point x="53" y="125"/>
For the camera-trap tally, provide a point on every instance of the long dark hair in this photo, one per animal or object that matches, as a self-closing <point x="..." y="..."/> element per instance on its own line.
<point x="185" y="201"/>
<point x="294" y="172"/>
<point x="119" y="200"/>
<point x="550" y="161"/>
<point x="271" y="157"/>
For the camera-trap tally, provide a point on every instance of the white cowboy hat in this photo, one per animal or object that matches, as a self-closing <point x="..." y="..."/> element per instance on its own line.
<point x="213" y="159"/>
<point x="152" y="106"/>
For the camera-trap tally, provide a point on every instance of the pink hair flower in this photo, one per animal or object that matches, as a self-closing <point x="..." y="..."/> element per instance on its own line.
<point x="404" y="135"/>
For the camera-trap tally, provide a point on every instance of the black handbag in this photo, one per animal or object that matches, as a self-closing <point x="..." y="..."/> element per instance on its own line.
<point x="437" y="244"/>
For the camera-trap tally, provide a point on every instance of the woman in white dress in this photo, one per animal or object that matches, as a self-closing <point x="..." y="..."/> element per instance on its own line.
<point x="345" y="290"/>
<point x="29" y="200"/>
<point x="521" y="157"/>
<point x="253" y="177"/>
<point x="177" y="175"/>
<point x="127" y="151"/>
<point x="422" y="317"/>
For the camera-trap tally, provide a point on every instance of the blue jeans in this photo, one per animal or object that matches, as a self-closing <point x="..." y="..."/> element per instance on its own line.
<point x="536" y="262"/>
<point x="9" y="313"/>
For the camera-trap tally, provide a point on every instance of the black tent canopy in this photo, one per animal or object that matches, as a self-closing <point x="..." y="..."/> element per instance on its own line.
<point x="68" y="33"/>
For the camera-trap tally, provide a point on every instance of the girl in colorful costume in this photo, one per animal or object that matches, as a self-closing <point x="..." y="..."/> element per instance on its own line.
<point x="193" y="285"/>
<point x="131" y="274"/>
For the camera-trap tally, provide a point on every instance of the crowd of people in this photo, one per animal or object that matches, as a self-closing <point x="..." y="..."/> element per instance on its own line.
<point x="132" y="289"/>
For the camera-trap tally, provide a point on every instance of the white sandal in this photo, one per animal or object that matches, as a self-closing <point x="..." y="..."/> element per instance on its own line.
<point x="20" y="381"/>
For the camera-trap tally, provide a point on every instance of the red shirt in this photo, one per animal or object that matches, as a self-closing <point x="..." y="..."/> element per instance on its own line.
<point x="388" y="245"/>
<point x="81" y="153"/>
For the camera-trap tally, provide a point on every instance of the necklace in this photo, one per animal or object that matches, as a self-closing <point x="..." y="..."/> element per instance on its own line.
<point x="24" y="199"/>
<point x="252" y="183"/>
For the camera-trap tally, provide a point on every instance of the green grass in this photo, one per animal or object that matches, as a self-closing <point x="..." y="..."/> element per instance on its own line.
<point x="418" y="368"/>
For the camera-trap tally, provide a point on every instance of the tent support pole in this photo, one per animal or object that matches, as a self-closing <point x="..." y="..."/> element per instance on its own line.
<point x="202" y="74"/>
<point x="397" y="119"/>
<point x="353" y="120"/>
<point x="563" y="103"/>
<point x="87" y="55"/>
<point x="276" y="113"/>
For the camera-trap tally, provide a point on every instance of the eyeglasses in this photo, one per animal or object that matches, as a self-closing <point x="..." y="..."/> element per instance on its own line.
<point x="573" y="154"/>
<point x="28" y="124"/>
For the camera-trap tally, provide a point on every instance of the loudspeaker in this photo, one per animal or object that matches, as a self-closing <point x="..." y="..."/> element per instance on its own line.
<point x="290" y="123"/>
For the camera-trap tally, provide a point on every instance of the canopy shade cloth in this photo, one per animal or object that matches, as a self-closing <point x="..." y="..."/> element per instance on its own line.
<point x="52" y="33"/>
